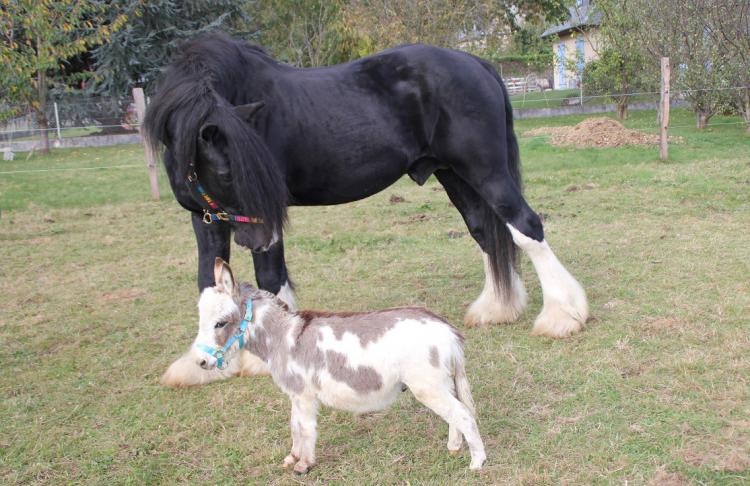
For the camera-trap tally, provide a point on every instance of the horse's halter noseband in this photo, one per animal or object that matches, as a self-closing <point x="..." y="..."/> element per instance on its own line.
<point x="219" y="353"/>
<point x="212" y="211"/>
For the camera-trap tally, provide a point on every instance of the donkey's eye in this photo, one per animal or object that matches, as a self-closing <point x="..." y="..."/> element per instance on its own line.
<point x="221" y="324"/>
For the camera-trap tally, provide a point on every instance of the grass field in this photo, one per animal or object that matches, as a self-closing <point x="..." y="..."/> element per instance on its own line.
<point x="99" y="295"/>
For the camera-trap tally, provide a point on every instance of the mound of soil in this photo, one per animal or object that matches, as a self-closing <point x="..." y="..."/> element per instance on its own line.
<point x="595" y="132"/>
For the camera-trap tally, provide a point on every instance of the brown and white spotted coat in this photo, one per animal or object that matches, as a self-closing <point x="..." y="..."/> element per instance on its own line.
<point x="351" y="361"/>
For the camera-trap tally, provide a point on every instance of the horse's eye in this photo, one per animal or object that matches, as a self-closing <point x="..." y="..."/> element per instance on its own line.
<point x="221" y="324"/>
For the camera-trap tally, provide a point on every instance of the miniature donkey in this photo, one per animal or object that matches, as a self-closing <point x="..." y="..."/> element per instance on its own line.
<point x="352" y="361"/>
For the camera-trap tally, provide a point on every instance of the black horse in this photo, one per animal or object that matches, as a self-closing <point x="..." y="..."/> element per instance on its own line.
<point x="258" y="135"/>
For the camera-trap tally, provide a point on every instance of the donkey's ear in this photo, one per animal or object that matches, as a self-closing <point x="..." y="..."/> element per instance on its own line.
<point x="224" y="278"/>
<point x="247" y="111"/>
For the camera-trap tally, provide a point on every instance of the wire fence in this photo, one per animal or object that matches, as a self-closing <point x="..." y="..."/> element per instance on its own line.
<point x="78" y="116"/>
<point x="69" y="116"/>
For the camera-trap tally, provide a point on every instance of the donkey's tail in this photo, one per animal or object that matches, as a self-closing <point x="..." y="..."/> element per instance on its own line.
<point x="463" y="390"/>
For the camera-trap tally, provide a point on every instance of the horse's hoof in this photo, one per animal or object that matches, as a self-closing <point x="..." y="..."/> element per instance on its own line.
<point x="454" y="452"/>
<point x="555" y="322"/>
<point x="489" y="308"/>
<point x="301" y="468"/>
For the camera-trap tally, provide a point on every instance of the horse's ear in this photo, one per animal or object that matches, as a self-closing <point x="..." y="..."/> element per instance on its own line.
<point x="247" y="111"/>
<point x="224" y="278"/>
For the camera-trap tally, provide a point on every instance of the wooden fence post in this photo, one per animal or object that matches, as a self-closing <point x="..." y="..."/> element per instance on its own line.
<point x="140" y="108"/>
<point x="664" y="109"/>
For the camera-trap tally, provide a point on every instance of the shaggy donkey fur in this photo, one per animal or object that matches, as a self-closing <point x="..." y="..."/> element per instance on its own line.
<point x="358" y="362"/>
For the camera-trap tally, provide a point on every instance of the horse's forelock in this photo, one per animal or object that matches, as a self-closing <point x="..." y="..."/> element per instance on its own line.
<point x="191" y="91"/>
<point x="258" y="184"/>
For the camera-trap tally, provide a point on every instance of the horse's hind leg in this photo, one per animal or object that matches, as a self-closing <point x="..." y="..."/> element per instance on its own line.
<point x="495" y="304"/>
<point x="565" y="308"/>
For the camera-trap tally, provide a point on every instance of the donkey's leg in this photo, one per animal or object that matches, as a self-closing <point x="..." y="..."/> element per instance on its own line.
<point x="455" y="439"/>
<point x="294" y="454"/>
<point x="272" y="275"/>
<point x="305" y="410"/>
<point x="494" y="304"/>
<point x="439" y="398"/>
<point x="565" y="308"/>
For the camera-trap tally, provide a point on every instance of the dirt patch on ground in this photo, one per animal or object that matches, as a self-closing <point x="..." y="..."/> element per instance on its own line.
<point x="666" y="478"/>
<point x="730" y="452"/>
<point x="123" y="295"/>
<point x="596" y="132"/>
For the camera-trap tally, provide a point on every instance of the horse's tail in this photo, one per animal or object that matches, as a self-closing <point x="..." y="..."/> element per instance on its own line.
<point x="461" y="382"/>
<point x="502" y="254"/>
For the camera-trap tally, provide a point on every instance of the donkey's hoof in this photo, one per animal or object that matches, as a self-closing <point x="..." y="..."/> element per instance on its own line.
<point x="555" y="322"/>
<point x="302" y="467"/>
<point x="477" y="462"/>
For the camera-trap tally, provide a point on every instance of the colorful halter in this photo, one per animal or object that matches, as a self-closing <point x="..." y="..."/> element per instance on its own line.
<point x="214" y="212"/>
<point x="219" y="353"/>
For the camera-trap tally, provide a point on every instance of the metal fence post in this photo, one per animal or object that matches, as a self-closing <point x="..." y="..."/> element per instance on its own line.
<point x="57" y="122"/>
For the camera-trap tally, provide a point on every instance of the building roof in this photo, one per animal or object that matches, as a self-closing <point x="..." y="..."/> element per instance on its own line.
<point x="580" y="16"/>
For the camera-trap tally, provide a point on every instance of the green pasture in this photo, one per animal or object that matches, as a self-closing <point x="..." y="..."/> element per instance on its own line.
<point x="99" y="296"/>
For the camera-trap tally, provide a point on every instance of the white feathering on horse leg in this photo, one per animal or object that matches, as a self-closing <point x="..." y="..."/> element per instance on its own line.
<point x="565" y="309"/>
<point x="286" y="294"/>
<point x="186" y="372"/>
<point x="490" y="308"/>
<point x="252" y="365"/>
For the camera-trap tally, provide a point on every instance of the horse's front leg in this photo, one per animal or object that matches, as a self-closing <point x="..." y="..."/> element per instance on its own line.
<point x="272" y="275"/>
<point x="213" y="241"/>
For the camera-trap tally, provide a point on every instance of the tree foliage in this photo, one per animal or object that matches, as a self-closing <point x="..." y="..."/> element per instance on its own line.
<point x="489" y="26"/>
<point x="622" y="67"/>
<point x="306" y="33"/>
<point x="730" y="28"/>
<point x="39" y="36"/>
<point x="681" y="30"/>
<point x="154" y="30"/>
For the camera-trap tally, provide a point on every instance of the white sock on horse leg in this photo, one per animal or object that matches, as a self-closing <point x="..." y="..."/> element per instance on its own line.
<point x="565" y="308"/>
<point x="491" y="307"/>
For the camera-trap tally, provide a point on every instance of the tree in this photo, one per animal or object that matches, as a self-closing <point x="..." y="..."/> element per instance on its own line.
<point x="622" y="66"/>
<point x="614" y="74"/>
<point x="39" y="36"/>
<point x="730" y="28"/>
<point x="154" y="31"/>
<point x="485" y="26"/>
<point x="681" y="30"/>
<point x="305" y="33"/>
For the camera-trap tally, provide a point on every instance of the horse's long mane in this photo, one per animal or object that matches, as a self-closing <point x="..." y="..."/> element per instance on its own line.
<point x="207" y="77"/>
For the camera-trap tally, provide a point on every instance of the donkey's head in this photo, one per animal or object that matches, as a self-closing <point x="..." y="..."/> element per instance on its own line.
<point x="222" y="326"/>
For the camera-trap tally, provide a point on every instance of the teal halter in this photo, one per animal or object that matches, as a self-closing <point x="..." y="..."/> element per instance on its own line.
<point x="218" y="353"/>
